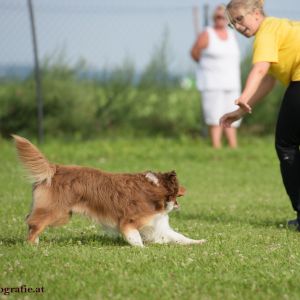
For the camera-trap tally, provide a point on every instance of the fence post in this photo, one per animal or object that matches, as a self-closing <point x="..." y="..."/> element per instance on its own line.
<point x="37" y="73"/>
<point x="204" y="129"/>
<point x="206" y="14"/>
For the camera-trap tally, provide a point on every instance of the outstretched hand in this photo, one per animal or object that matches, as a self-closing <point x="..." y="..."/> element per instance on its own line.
<point x="243" y="105"/>
<point x="231" y="117"/>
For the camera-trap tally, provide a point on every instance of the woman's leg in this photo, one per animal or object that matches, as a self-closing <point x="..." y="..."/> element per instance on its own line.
<point x="231" y="136"/>
<point x="215" y="133"/>
<point x="287" y="143"/>
<point x="212" y="103"/>
<point x="231" y="133"/>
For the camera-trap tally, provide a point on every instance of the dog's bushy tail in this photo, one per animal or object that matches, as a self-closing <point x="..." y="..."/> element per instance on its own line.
<point x="34" y="161"/>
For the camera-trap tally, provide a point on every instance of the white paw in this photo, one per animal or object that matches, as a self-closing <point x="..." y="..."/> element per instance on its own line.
<point x="192" y="242"/>
<point x="200" y="241"/>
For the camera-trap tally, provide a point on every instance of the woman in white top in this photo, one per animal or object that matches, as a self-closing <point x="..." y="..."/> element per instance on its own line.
<point x="218" y="76"/>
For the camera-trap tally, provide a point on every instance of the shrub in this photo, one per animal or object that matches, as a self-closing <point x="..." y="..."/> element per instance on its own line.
<point x="84" y="107"/>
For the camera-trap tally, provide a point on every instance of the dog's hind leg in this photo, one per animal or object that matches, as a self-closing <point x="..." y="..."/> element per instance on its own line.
<point x="37" y="221"/>
<point x="132" y="236"/>
<point x="33" y="233"/>
<point x="40" y="215"/>
<point x="40" y="218"/>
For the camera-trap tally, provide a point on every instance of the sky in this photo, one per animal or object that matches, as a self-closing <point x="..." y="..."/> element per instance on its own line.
<point x="107" y="32"/>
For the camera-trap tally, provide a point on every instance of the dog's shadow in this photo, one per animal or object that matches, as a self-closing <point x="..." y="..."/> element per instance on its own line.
<point x="85" y="240"/>
<point x="90" y="239"/>
<point x="9" y="241"/>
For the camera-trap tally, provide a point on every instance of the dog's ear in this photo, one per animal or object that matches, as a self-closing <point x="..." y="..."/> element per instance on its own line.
<point x="171" y="183"/>
<point x="172" y="176"/>
<point x="172" y="173"/>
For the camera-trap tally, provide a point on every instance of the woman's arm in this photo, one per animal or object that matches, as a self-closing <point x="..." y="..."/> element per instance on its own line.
<point x="264" y="88"/>
<point x="257" y="85"/>
<point x="200" y="44"/>
<point x="267" y="84"/>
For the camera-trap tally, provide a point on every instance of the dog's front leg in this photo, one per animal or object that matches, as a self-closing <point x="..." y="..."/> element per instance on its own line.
<point x="133" y="237"/>
<point x="165" y="234"/>
<point x="178" y="238"/>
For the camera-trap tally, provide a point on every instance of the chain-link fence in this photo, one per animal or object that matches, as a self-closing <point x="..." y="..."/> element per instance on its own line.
<point x="100" y="37"/>
<point x="105" y="33"/>
<point x="102" y="33"/>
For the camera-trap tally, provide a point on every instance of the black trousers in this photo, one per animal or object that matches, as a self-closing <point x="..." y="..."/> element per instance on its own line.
<point x="287" y="141"/>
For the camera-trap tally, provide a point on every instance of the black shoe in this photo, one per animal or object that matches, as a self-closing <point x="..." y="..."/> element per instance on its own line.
<point x="293" y="223"/>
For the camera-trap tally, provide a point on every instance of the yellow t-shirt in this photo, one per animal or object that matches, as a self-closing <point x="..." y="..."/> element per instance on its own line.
<point x="278" y="41"/>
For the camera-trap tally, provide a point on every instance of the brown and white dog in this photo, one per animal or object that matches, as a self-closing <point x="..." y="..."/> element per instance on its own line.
<point x="135" y="205"/>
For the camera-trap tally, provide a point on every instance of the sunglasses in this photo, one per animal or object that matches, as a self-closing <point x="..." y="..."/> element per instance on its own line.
<point x="238" y="20"/>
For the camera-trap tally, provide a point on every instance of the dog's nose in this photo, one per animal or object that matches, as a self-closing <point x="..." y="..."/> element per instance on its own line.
<point x="181" y="191"/>
<point x="176" y="205"/>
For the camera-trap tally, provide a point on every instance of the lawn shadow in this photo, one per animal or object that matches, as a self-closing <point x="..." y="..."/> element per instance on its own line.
<point x="233" y="219"/>
<point x="90" y="239"/>
<point x="104" y="240"/>
<point x="11" y="241"/>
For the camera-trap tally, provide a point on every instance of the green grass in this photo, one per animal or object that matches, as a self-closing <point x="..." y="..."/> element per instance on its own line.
<point x="235" y="200"/>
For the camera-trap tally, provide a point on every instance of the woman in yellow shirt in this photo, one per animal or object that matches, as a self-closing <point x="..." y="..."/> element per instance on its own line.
<point x="276" y="55"/>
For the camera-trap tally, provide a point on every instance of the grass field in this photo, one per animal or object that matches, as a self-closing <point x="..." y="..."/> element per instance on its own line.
<point x="235" y="200"/>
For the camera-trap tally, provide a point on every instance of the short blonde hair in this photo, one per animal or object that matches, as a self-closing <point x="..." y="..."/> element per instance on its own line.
<point x="246" y="4"/>
<point x="219" y="8"/>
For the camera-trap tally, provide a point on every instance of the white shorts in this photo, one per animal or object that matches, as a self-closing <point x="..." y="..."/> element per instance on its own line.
<point x="217" y="103"/>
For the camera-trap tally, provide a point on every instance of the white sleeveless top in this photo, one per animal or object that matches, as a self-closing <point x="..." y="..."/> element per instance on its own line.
<point x="219" y="64"/>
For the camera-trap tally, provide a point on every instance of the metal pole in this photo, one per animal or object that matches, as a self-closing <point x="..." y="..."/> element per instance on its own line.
<point x="204" y="131"/>
<point x="196" y="19"/>
<point x="37" y="73"/>
<point x="206" y="14"/>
